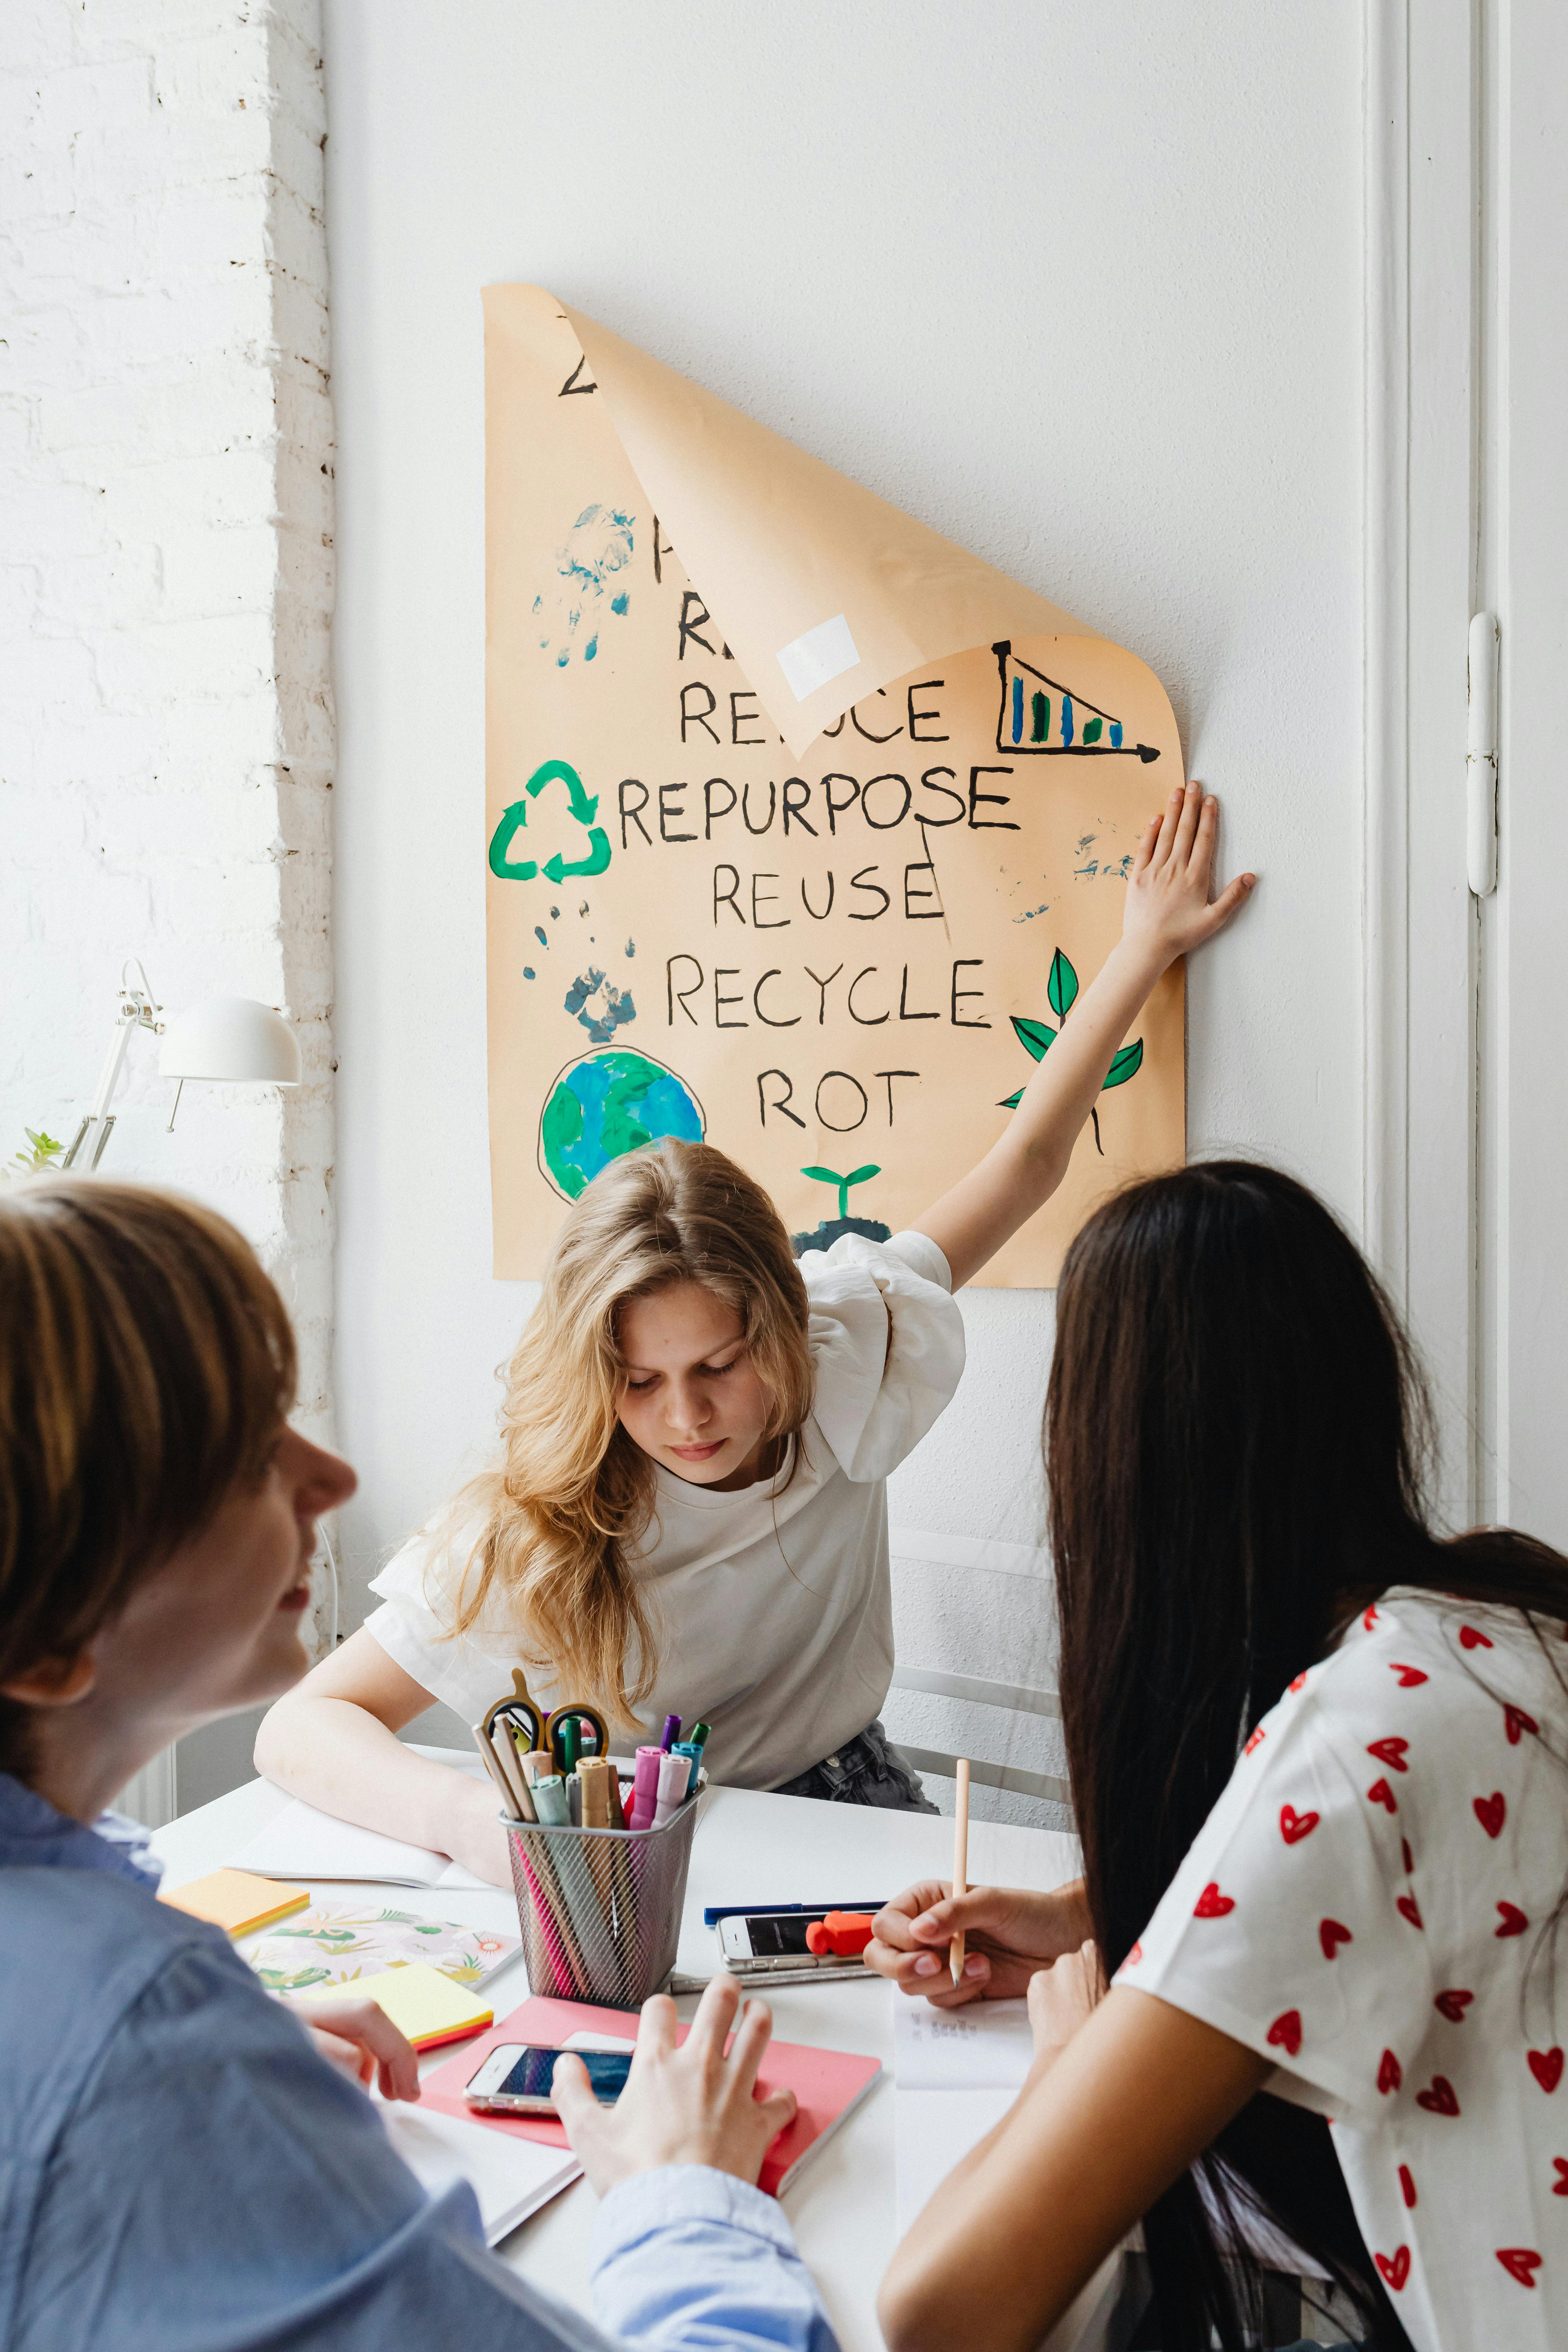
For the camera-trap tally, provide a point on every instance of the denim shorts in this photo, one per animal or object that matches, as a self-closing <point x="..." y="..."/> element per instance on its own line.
<point x="866" y="1770"/>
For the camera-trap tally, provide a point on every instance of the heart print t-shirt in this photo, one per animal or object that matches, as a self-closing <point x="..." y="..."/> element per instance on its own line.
<point x="1366" y="1906"/>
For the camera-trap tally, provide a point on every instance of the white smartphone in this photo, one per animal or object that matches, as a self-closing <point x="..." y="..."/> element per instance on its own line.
<point x="515" y="2079"/>
<point x="767" y="1943"/>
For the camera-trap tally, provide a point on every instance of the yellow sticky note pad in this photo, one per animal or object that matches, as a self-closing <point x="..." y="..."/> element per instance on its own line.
<point x="237" y="1901"/>
<point x="421" y="2002"/>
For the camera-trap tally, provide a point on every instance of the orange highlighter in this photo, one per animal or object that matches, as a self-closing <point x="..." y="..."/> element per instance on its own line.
<point x="845" y="1934"/>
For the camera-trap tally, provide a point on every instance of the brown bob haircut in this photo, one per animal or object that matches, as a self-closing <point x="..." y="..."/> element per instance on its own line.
<point x="147" y="1364"/>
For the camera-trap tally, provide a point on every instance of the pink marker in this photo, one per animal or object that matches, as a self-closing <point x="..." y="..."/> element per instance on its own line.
<point x="644" y="1789"/>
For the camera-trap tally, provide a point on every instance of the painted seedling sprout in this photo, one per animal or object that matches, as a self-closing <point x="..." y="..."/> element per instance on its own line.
<point x="831" y="1176"/>
<point x="1035" y="1037"/>
<point x="833" y="1229"/>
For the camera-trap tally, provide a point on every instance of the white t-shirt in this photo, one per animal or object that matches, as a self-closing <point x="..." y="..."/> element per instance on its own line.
<point x="772" y="1607"/>
<point x="1364" y="1906"/>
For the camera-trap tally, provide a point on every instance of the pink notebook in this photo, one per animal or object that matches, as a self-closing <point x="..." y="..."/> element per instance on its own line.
<point x="828" y="2083"/>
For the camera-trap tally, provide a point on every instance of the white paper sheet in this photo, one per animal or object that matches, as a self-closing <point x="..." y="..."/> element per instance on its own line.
<point x="306" y="1844"/>
<point x="510" y="2177"/>
<point x="986" y="2047"/>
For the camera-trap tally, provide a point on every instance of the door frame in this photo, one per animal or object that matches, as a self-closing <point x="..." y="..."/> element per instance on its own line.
<point x="1420" y="923"/>
<point x="1466" y="1081"/>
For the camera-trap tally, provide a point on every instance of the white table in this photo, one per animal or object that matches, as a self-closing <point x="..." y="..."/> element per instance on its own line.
<point x="748" y="1848"/>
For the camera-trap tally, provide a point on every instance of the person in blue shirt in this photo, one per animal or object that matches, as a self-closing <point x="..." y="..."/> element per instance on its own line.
<point x="181" y="2166"/>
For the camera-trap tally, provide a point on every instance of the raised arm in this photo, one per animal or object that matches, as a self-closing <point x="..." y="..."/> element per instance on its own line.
<point x="1168" y="913"/>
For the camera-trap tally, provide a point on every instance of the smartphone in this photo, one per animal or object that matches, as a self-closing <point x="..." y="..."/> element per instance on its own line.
<point x="768" y="1941"/>
<point x="515" y="2078"/>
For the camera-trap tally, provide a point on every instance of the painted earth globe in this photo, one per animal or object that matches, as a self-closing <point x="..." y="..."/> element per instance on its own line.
<point x="608" y="1103"/>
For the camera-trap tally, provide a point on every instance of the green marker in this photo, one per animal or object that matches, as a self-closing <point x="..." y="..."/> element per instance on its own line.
<point x="700" y="1732"/>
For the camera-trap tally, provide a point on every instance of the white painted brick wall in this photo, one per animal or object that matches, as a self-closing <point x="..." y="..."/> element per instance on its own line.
<point x="166" y="579"/>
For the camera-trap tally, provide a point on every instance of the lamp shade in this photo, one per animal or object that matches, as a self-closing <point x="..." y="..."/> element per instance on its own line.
<point x="230" y="1038"/>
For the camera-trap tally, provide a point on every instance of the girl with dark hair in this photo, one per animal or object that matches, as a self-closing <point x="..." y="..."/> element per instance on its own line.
<point x="1317" y="1759"/>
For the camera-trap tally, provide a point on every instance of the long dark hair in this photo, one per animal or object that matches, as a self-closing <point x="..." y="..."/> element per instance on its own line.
<point x="1237" y="1437"/>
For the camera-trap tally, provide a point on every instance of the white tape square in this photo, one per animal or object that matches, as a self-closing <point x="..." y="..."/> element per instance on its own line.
<point x="822" y="655"/>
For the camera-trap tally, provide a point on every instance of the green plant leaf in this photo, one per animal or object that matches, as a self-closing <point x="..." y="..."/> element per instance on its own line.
<point x="824" y="1175"/>
<point x="1034" y="1036"/>
<point x="1011" y="1102"/>
<point x="1126" y="1064"/>
<point x="1062" y="986"/>
<point x="860" y="1175"/>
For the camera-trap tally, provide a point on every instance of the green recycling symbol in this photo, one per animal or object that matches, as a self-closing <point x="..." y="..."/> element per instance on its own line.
<point x="585" y="807"/>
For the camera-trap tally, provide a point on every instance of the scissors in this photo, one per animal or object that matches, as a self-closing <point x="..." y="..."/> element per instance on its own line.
<point x="562" y="1733"/>
<point x="519" y="1713"/>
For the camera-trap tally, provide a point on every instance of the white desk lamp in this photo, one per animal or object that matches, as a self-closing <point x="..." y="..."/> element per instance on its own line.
<point x="226" y="1037"/>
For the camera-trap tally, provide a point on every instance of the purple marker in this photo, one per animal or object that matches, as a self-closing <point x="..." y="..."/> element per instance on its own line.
<point x="644" y="1789"/>
<point x="671" y="1734"/>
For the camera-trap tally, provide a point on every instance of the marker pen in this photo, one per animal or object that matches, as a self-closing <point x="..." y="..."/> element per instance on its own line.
<point x="693" y="1755"/>
<point x="673" y="1775"/>
<point x="671" y="1733"/>
<point x="551" y="1802"/>
<point x="644" y="1789"/>
<point x="700" y="1732"/>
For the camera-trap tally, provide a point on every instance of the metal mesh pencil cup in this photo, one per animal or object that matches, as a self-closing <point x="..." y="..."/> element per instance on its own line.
<point x="600" y="1909"/>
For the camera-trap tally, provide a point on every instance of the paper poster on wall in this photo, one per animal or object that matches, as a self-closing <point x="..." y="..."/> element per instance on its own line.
<point x="804" y="827"/>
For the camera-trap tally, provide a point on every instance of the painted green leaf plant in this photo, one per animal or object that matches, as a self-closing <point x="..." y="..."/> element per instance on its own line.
<point x="831" y="1176"/>
<point x="1037" y="1038"/>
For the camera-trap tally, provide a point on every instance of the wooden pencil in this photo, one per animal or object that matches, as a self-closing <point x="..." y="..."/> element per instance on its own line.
<point x="959" y="1860"/>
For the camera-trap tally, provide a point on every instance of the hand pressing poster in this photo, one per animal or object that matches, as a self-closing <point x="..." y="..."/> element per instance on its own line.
<point x="804" y="827"/>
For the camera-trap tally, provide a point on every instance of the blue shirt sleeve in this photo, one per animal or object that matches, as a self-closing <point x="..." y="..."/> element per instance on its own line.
<point x="687" y="2256"/>
<point x="217" y="2182"/>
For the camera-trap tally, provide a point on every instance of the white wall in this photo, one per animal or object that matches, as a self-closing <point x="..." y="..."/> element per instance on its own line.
<point x="165" y="595"/>
<point x="1079" y="285"/>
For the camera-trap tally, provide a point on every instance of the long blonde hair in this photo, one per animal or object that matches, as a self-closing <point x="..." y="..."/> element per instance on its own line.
<point x="573" y="1495"/>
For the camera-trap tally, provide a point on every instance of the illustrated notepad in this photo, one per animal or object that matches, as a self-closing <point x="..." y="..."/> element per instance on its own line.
<point x="332" y="1944"/>
<point x="828" y="2084"/>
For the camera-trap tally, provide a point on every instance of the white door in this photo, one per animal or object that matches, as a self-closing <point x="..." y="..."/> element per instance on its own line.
<point x="1523" y="1160"/>
<point x="1468" y="511"/>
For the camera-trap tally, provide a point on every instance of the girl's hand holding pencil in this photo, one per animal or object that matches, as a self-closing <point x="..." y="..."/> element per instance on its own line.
<point x="1010" y="1934"/>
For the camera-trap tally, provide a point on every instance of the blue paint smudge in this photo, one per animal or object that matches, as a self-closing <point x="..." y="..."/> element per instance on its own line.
<point x="598" y="547"/>
<point x="1017" y="711"/>
<point x="539" y="933"/>
<point x="619" y="1008"/>
<point x="528" y="971"/>
<point x="1116" y="734"/>
<point x="631" y="947"/>
<point x="1067" y="718"/>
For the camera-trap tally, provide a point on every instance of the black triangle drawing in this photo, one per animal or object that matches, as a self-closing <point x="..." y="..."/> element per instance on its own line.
<point x="571" y="383"/>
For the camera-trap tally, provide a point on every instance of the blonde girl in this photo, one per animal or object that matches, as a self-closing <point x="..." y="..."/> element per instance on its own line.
<point x="689" y="1512"/>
